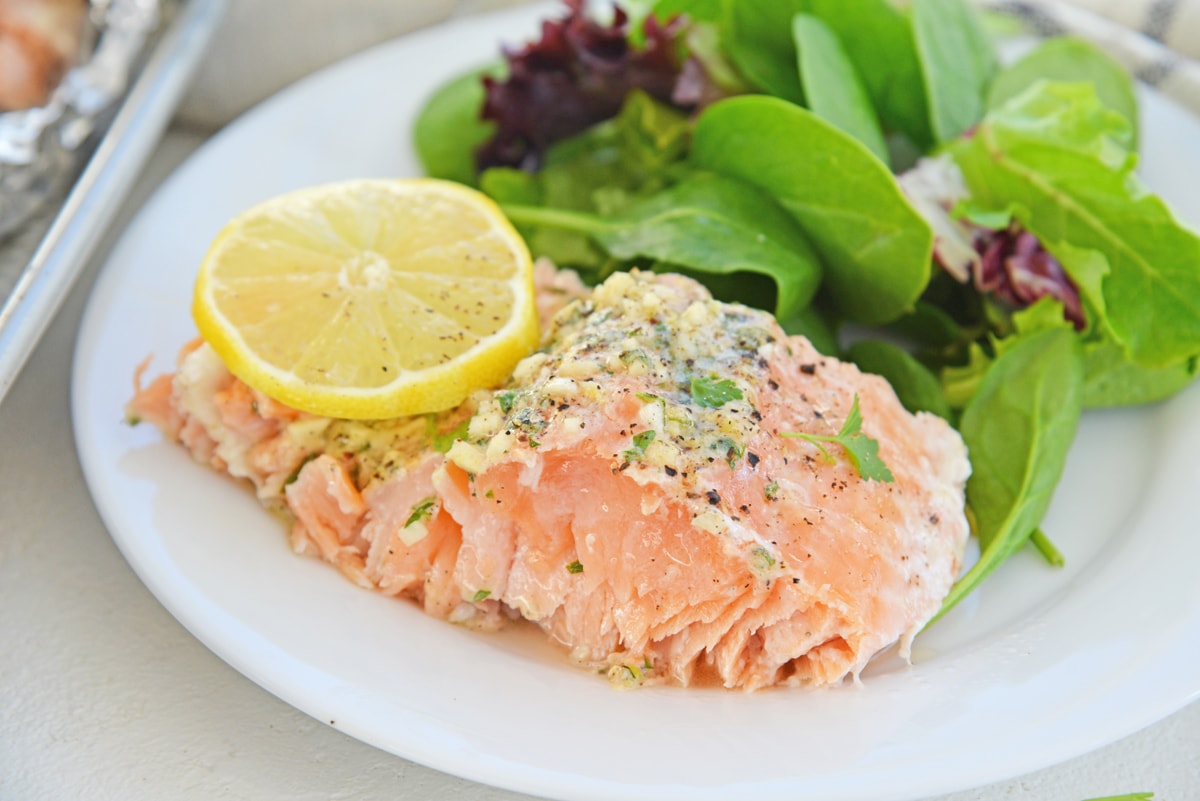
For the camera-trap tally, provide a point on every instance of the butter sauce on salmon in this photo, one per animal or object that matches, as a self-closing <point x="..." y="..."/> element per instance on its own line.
<point x="630" y="491"/>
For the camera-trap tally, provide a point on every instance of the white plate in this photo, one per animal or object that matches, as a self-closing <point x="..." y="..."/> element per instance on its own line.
<point x="1037" y="667"/>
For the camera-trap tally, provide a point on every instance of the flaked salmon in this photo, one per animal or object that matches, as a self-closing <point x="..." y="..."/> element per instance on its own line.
<point x="630" y="491"/>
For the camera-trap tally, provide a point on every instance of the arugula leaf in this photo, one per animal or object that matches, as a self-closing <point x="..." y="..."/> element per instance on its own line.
<point x="713" y="392"/>
<point x="957" y="64"/>
<point x="1018" y="429"/>
<point x="863" y="451"/>
<point x="1070" y="58"/>
<point x="832" y="86"/>
<point x="1058" y="159"/>
<point x="847" y="202"/>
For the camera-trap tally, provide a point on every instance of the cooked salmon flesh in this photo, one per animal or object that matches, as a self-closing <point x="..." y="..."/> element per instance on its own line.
<point x="630" y="491"/>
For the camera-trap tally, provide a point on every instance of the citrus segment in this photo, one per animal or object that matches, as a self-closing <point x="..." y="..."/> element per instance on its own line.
<point x="369" y="299"/>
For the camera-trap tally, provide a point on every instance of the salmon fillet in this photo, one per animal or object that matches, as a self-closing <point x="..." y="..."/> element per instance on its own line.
<point x="629" y="491"/>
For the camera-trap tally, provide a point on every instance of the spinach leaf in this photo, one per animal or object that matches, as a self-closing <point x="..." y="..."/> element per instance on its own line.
<point x="916" y="387"/>
<point x="832" y="86"/>
<point x="817" y="326"/>
<point x="720" y="225"/>
<point x="957" y="64"/>
<point x="448" y="128"/>
<point x="759" y="41"/>
<point x="875" y="248"/>
<point x="1056" y="157"/>
<point x="707" y="223"/>
<point x="1069" y="58"/>
<point x="1111" y="380"/>
<point x="876" y="37"/>
<point x="1018" y="429"/>
<point x="879" y="42"/>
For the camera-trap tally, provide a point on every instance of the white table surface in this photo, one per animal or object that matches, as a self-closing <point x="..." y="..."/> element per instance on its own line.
<point x="103" y="695"/>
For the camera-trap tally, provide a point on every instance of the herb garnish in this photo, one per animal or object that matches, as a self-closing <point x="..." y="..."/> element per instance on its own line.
<point x="713" y="392"/>
<point x="295" y="474"/>
<point x="761" y="560"/>
<point x="575" y="567"/>
<point x="640" y="442"/>
<point x="481" y="595"/>
<point x="422" y="510"/>
<point x="443" y="442"/>
<point x="733" y="451"/>
<point x="861" y="450"/>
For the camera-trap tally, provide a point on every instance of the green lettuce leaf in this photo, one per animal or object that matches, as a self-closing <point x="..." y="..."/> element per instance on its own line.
<point x="847" y="202"/>
<point x="1059" y="159"/>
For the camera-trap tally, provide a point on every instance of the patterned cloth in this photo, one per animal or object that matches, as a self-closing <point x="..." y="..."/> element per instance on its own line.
<point x="1157" y="40"/>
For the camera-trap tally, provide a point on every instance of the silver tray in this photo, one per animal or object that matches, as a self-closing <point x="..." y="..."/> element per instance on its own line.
<point x="41" y="260"/>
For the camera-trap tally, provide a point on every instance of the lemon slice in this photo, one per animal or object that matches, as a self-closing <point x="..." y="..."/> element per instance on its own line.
<point x="369" y="299"/>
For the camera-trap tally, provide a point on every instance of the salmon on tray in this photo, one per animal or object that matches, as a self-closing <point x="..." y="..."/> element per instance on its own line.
<point x="671" y="487"/>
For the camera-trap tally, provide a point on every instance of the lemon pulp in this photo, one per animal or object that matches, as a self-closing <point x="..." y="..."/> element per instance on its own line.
<point x="369" y="299"/>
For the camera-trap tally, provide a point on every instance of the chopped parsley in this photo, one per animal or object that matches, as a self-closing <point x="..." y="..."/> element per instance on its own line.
<point x="575" y="567"/>
<point x="443" y="442"/>
<point x="761" y="560"/>
<point x="422" y="510"/>
<point x="481" y="595"/>
<point x="641" y="441"/>
<point x="733" y="451"/>
<point x="505" y="399"/>
<point x="626" y="675"/>
<point x="713" y="392"/>
<point x="863" y="451"/>
<point x="771" y="491"/>
<point x="637" y="355"/>
<point x="295" y="474"/>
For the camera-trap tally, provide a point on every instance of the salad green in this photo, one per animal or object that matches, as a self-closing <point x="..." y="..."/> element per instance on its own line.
<point x="975" y="233"/>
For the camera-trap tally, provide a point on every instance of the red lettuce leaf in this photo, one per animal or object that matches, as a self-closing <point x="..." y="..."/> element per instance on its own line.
<point x="575" y="76"/>
<point x="1015" y="268"/>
